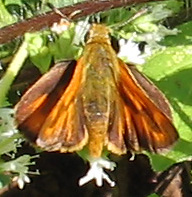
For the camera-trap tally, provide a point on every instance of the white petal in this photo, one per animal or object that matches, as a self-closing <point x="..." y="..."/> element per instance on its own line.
<point x="20" y="183"/>
<point x="26" y="179"/>
<point x="130" y="51"/>
<point x="60" y="27"/>
<point x="96" y="172"/>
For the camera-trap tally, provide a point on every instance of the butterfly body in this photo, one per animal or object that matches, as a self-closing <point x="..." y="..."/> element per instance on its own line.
<point x="100" y="102"/>
<point x="99" y="90"/>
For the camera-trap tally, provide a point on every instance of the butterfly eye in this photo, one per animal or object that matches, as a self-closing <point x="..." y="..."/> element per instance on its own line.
<point x="115" y="44"/>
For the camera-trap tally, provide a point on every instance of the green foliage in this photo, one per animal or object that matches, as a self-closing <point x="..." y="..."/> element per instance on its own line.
<point x="11" y="73"/>
<point x="171" y="69"/>
<point x="38" y="51"/>
<point x="10" y="140"/>
<point x="153" y="195"/>
<point x="64" y="48"/>
<point x="141" y="19"/>
<point x="42" y="50"/>
<point x="5" y="16"/>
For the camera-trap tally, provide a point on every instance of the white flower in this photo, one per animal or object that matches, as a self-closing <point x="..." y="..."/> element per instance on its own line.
<point x="81" y="30"/>
<point x="21" y="180"/>
<point x="60" y="27"/>
<point x="129" y="50"/>
<point x="97" y="172"/>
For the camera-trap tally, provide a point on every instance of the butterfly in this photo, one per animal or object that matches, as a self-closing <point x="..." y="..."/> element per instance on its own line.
<point x="98" y="102"/>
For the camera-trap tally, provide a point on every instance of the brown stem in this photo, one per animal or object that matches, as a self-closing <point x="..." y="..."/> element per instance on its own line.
<point x="86" y="8"/>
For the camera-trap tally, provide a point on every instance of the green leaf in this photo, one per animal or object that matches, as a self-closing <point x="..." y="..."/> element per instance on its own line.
<point x="4" y="180"/>
<point x="160" y="162"/>
<point x="8" y="134"/>
<point x="63" y="48"/>
<point x="7" y="145"/>
<point x="171" y="70"/>
<point x="183" y="37"/>
<point x="19" y="165"/>
<point x="8" y="49"/>
<point x="5" y="17"/>
<point x="182" y="151"/>
<point x="153" y="195"/>
<point x="38" y="50"/>
<point x="60" y="3"/>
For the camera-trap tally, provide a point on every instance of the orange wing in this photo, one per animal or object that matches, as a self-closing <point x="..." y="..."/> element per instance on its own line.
<point x="142" y="124"/>
<point x="52" y="116"/>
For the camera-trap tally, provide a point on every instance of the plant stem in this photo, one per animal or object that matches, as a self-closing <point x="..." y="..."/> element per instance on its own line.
<point x="12" y="71"/>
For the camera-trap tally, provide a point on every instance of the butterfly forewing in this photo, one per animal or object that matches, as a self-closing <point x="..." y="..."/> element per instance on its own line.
<point x="38" y="101"/>
<point x="39" y="92"/>
<point x="64" y="128"/>
<point x="153" y="93"/>
<point x="147" y="127"/>
<point x="41" y="113"/>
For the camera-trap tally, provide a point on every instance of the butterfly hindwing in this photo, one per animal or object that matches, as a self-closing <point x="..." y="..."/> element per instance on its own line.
<point x="116" y="129"/>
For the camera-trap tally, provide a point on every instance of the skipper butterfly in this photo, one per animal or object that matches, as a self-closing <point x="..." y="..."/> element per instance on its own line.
<point x="99" y="102"/>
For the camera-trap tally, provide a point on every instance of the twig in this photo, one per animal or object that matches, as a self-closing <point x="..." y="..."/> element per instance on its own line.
<point x="84" y="9"/>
